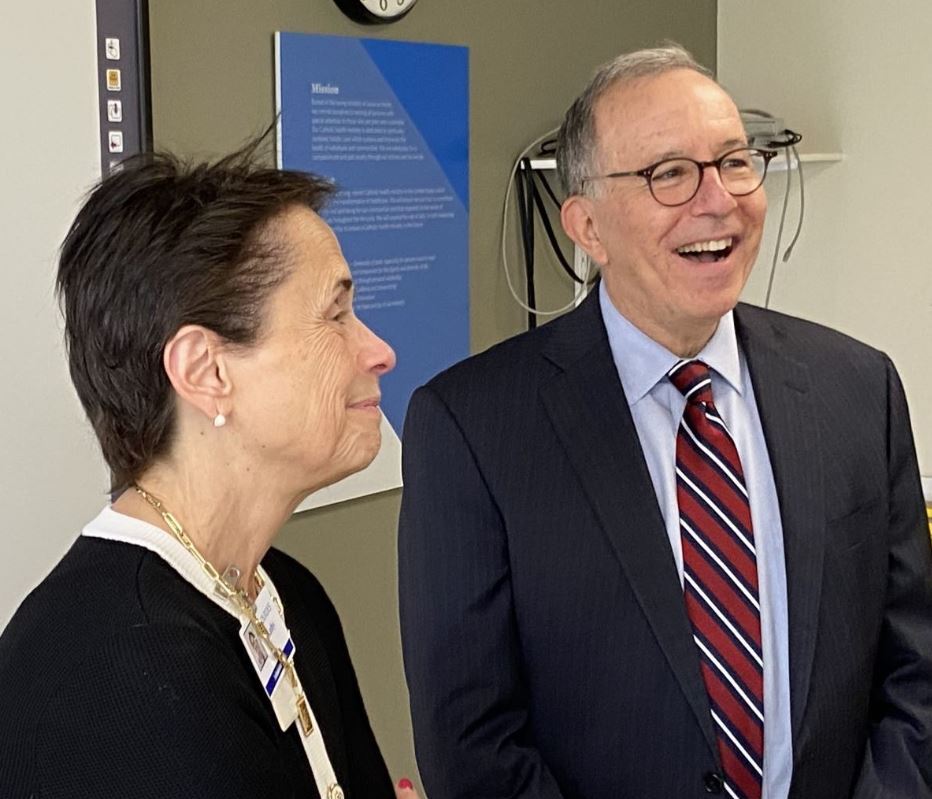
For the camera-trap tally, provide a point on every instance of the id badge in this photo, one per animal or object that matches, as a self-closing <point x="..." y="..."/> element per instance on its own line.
<point x="268" y="611"/>
<point x="270" y="671"/>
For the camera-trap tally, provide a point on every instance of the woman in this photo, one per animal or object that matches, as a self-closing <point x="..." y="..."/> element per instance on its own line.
<point x="172" y="653"/>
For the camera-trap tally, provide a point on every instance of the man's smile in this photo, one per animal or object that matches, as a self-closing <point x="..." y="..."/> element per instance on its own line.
<point x="707" y="251"/>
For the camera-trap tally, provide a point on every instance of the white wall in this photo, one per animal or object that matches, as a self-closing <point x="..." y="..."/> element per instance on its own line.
<point x="51" y="478"/>
<point x="855" y="77"/>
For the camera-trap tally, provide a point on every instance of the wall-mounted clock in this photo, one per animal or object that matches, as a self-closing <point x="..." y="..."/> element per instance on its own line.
<point x="374" y="12"/>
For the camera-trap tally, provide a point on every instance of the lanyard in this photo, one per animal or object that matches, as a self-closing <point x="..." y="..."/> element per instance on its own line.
<point x="283" y="694"/>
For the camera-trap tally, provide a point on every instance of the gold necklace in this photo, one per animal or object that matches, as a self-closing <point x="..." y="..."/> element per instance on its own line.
<point x="227" y="589"/>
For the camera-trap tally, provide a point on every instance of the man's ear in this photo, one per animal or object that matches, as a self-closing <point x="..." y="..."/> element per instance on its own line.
<point x="196" y="367"/>
<point x="577" y="217"/>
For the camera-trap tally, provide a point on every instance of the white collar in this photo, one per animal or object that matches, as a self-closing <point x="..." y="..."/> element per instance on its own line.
<point x="114" y="526"/>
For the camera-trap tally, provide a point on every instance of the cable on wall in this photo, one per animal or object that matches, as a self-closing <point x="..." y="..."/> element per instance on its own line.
<point x="528" y="198"/>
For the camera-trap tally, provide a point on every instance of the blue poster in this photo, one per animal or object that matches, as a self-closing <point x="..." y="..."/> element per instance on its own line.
<point x="389" y="122"/>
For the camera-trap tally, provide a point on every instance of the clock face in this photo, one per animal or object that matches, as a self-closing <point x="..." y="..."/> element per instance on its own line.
<point x="375" y="11"/>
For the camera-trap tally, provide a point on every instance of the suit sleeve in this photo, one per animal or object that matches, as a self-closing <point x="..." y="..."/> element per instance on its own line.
<point x="460" y="640"/>
<point x="898" y="759"/>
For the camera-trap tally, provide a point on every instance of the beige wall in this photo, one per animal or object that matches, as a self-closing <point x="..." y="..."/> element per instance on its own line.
<point x="51" y="476"/>
<point x="213" y="86"/>
<point x="852" y="80"/>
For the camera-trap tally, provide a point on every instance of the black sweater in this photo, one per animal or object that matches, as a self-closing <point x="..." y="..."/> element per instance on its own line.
<point x="119" y="679"/>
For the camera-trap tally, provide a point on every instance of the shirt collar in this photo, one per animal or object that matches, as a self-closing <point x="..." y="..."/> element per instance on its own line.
<point x="114" y="526"/>
<point x="642" y="363"/>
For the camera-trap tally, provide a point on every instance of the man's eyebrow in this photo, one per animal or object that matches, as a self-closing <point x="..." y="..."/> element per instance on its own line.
<point x="682" y="153"/>
<point x="670" y="154"/>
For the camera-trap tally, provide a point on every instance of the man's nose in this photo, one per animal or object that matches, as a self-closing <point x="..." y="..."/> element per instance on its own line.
<point x="712" y="196"/>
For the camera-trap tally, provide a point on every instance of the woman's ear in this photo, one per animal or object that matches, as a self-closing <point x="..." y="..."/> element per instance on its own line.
<point x="578" y="218"/>
<point x="196" y="366"/>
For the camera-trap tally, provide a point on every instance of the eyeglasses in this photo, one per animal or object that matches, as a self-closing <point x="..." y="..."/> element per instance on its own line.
<point x="675" y="181"/>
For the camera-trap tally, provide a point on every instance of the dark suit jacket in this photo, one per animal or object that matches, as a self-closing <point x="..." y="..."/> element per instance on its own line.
<point x="547" y="647"/>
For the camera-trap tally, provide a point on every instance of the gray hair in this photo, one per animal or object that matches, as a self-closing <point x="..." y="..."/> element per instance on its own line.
<point x="576" y="142"/>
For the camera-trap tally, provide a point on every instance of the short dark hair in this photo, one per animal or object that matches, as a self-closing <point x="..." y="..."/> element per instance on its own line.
<point x="160" y="244"/>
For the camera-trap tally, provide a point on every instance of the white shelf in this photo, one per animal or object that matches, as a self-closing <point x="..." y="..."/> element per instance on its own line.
<point x="779" y="163"/>
<point x="543" y="163"/>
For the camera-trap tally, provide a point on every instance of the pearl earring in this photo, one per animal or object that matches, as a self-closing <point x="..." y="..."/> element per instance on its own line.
<point x="220" y="420"/>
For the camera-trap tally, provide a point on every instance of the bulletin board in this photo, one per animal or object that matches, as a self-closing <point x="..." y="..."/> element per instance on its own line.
<point x="388" y="122"/>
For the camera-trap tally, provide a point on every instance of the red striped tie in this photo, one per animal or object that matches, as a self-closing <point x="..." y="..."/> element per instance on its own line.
<point x="720" y="579"/>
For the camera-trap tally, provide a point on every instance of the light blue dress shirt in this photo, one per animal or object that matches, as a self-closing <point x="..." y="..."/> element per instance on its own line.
<point x="657" y="407"/>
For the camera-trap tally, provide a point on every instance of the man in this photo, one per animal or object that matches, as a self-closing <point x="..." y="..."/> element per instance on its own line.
<point x="664" y="546"/>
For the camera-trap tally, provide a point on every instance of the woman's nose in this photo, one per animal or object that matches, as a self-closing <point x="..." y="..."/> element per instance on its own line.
<point x="377" y="356"/>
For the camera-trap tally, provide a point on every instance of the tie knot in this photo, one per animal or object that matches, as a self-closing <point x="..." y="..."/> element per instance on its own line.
<point x="693" y="380"/>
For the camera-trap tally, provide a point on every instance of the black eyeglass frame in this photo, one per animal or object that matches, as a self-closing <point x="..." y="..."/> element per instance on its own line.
<point x="648" y="171"/>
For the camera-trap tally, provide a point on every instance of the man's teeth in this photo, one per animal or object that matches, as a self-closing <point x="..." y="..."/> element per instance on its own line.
<point x="716" y="245"/>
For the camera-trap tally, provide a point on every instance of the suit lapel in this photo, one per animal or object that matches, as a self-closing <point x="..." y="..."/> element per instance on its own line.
<point x="789" y="420"/>
<point x="589" y="412"/>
